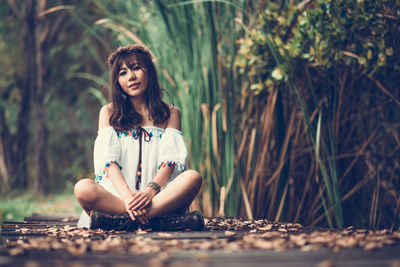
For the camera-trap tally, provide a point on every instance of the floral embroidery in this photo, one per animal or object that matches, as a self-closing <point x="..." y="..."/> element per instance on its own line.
<point x="98" y="178"/>
<point x="104" y="172"/>
<point x="153" y="132"/>
<point x="180" y="167"/>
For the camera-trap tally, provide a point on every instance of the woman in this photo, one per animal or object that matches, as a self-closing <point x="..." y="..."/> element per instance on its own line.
<point x="139" y="155"/>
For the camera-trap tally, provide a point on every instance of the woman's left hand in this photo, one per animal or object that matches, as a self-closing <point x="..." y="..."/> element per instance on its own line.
<point x="141" y="200"/>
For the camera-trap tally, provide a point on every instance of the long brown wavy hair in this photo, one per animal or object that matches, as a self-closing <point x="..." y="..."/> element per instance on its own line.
<point x="124" y="116"/>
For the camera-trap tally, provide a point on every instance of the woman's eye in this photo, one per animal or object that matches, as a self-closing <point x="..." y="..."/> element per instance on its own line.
<point x="137" y="67"/>
<point x="122" y="73"/>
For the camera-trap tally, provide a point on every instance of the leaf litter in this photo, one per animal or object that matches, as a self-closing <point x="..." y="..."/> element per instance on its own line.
<point x="234" y="235"/>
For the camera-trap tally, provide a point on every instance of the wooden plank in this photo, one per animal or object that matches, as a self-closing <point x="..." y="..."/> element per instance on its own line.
<point x="190" y="235"/>
<point x="68" y="217"/>
<point x="214" y="247"/>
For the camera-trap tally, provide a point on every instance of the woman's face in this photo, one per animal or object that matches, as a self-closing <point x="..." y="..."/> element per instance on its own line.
<point x="132" y="79"/>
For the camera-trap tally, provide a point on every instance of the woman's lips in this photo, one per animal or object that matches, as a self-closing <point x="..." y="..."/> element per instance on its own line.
<point x="134" y="85"/>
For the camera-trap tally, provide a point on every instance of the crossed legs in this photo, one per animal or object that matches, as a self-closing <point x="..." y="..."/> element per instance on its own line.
<point x="176" y="196"/>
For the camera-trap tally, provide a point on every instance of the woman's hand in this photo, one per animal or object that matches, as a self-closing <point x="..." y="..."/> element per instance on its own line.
<point x="142" y="215"/>
<point x="141" y="200"/>
<point x="137" y="204"/>
<point x="138" y="214"/>
<point x="127" y="200"/>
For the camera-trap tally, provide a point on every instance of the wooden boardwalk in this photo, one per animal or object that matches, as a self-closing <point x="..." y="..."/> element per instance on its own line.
<point x="54" y="240"/>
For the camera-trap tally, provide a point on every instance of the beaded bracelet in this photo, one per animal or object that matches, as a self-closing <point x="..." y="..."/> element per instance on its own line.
<point x="155" y="186"/>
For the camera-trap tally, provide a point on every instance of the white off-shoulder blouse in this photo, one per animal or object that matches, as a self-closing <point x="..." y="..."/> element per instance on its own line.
<point x="159" y="146"/>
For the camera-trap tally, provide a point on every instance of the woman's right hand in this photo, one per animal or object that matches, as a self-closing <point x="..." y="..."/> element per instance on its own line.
<point x="139" y="214"/>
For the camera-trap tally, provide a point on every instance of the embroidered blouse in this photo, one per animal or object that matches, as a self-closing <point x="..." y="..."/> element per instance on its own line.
<point x="159" y="146"/>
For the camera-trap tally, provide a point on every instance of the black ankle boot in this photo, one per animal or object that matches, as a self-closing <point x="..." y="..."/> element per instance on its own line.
<point x="121" y="222"/>
<point x="178" y="222"/>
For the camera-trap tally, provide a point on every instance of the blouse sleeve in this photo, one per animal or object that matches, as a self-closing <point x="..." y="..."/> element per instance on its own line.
<point x="107" y="149"/>
<point x="173" y="149"/>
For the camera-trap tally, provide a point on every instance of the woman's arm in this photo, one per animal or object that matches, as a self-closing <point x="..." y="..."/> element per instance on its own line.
<point x="113" y="170"/>
<point x="165" y="172"/>
<point x="104" y="116"/>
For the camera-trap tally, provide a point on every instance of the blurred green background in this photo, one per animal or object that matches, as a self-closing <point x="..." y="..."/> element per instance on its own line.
<point x="290" y="109"/>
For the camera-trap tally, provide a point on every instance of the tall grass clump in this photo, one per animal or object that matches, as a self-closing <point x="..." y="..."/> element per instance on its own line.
<point x="334" y="65"/>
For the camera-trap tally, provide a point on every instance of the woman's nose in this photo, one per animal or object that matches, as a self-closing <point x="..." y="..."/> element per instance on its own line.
<point x="132" y="75"/>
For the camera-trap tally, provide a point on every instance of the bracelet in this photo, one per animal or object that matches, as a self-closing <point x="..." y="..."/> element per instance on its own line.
<point x="155" y="186"/>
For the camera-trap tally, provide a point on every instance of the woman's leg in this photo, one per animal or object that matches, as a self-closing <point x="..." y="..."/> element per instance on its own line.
<point x="93" y="196"/>
<point x="178" y="194"/>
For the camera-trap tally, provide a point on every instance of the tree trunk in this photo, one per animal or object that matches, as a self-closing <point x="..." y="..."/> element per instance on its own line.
<point x="41" y="184"/>
<point x="14" y="148"/>
<point x="28" y="86"/>
<point x="39" y="33"/>
<point x="3" y="167"/>
<point x="6" y="155"/>
<point x="46" y="31"/>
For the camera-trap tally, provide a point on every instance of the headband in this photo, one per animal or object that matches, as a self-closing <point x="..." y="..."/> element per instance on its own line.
<point x="134" y="48"/>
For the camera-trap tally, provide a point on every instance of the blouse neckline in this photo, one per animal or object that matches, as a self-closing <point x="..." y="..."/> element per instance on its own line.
<point x="145" y="127"/>
<point x="153" y="127"/>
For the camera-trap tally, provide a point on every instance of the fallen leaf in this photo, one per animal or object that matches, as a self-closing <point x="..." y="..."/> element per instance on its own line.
<point x="229" y="233"/>
<point x="164" y="234"/>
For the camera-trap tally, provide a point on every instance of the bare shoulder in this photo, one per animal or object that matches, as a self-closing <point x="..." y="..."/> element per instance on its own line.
<point x="104" y="115"/>
<point x="174" y="120"/>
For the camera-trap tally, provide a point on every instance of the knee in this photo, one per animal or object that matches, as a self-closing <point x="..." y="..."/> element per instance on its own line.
<point x="195" y="178"/>
<point x="85" y="191"/>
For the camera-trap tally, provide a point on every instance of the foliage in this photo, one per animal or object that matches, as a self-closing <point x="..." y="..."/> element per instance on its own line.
<point x="362" y="35"/>
<point x="318" y="57"/>
<point x="71" y="119"/>
<point x="16" y="208"/>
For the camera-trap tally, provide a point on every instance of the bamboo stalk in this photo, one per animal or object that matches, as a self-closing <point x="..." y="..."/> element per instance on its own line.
<point x="246" y="201"/>
<point x="242" y="144"/>
<point x="250" y="154"/>
<point x="281" y="203"/>
<point x="222" y="195"/>
<point x="284" y="150"/>
<point x="214" y="132"/>
<point x="395" y="214"/>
